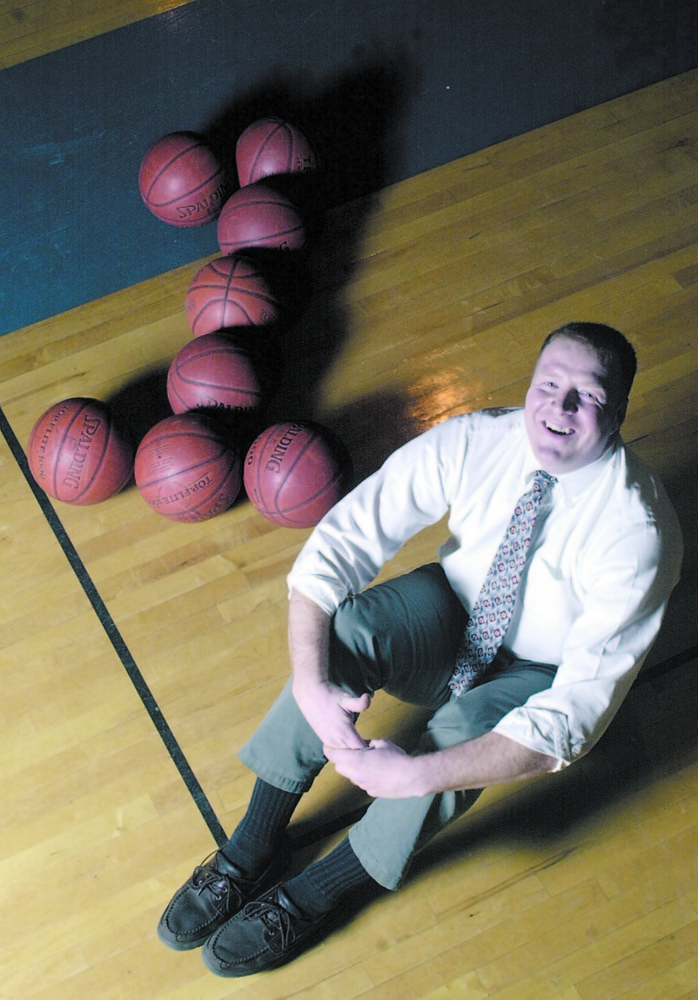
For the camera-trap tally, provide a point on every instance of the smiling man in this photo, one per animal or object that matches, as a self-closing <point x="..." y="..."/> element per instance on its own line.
<point x="522" y="640"/>
<point x="576" y="402"/>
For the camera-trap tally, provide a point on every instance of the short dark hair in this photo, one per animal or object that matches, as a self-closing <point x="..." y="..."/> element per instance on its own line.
<point x="612" y="348"/>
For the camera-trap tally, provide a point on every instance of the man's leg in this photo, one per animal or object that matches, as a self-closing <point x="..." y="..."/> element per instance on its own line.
<point x="416" y="622"/>
<point x="284" y="921"/>
<point x="401" y="635"/>
<point x="393" y="830"/>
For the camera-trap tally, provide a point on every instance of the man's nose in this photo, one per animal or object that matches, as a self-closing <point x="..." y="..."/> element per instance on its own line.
<point x="570" y="401"/>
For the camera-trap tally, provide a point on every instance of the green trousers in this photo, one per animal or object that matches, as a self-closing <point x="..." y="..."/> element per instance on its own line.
<point x="401" y="636"/>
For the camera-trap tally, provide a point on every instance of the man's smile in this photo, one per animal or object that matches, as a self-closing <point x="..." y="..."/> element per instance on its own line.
<point x="557" y="428"/>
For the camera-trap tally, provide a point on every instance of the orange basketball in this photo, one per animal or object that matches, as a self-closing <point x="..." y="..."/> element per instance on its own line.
<point x="186" y="469"/>
<point x="182" y="181"/>
<point x="272" y="146"/>
<point x="295" y="472"/>
<point x="80" y="451"/>
<point x="259" y="217"/>
<point x="216" y="370"/>
<point x="230" y="291"/>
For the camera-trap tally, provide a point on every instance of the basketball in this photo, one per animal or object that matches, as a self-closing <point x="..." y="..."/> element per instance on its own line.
<point x="216" y="370"/>
<point x="258" y="217"/>
<point x="182" y="181"/>
<point x="80" y="451"/>
<point x="229" y="291"/>
<point x="295" y="472"/>
<point x="271" y="146"/>
<point x="186" y="470"/>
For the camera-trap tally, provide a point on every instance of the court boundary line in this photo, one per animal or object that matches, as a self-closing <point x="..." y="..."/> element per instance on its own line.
<point x="114" y="635"/>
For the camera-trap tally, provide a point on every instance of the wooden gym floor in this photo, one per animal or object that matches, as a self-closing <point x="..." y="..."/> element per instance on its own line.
<point x="138" y="654"/>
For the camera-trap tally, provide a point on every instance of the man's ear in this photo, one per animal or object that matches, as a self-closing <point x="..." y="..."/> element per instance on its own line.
<point x="619" y="415"/>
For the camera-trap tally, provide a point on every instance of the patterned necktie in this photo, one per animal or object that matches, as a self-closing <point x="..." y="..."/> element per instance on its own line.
<point x="492" y="611"/>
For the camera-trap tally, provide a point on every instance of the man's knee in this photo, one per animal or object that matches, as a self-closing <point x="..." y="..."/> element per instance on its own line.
<point x="479" y="710"/>
<point x="401" y="635"/>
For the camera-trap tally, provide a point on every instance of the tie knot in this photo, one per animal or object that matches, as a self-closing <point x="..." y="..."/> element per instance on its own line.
<point x="542" y="481"/>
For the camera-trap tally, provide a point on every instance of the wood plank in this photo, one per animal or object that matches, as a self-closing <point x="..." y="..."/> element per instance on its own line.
<point x="31" y="28"/>
<point x="580" y="886"/>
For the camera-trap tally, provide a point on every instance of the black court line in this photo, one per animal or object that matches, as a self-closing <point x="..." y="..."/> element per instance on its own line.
<point x="116" y="639"/>
<point x="191" y="782"/>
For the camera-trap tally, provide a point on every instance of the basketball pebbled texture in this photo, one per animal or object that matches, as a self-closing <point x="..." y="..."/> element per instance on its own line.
<point x="295" y="472"/>
<point x="259" y="217"/>
<point x="271" y="146"/>
<point x="230" y="291"/>
<point x="182" y="181"/>
<point x="186" y="470"/>
<point x="216" y="370"/>
<point x="80" y="451"/>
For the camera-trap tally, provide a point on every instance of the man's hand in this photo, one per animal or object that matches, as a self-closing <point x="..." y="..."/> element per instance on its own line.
<point x="385" y="771"/>
<point x="381" y="769"/>
<point x="330" y="711"/>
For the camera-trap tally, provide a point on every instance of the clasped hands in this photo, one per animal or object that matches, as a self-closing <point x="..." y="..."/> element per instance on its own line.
<point x="379" y="767"/>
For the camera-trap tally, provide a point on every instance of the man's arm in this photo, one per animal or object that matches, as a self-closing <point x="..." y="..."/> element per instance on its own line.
<point x="327" y="708"/>
<point x="385" y="771"/>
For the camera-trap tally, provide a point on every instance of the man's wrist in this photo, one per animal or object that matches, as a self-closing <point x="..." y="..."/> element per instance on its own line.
<point x="423" y="778"/>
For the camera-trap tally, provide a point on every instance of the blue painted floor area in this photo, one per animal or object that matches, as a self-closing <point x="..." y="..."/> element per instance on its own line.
<point x="388" y="90"/>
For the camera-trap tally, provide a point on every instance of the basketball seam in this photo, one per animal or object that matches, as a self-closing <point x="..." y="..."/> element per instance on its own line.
<point x="272" y="508"/>
<point x="259" y="239"/>
<point x="189" y="193"/>
<point x="226" y="477"/>
<point x="190" y="380"/>
<point x="215" y="385"/>
<point x="262" y="149"/>
<point x="258" y="470"/>
<point x="166" y="166"/>
<point x="211" y="303"/>
<point x="233" y="304"/>
<point x="235" y="288"/>
<point x="175" y="391"/>
<point x="313" y="498"/>
<point x="188" y="468"/>
<point x="308" y="500"/>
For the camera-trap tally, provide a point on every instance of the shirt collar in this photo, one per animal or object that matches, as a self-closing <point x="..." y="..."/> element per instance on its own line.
<point x="574" y="484"/>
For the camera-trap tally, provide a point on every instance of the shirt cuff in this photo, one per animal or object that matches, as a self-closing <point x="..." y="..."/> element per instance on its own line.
<point x="546" y="732"/>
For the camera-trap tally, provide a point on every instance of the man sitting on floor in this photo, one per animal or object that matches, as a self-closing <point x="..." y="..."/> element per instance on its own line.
<point x="522" y="641"/>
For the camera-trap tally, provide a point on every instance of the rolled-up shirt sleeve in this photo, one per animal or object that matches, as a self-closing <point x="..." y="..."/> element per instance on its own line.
<point x="624" y="586"/>
<point x="412" y="490"/>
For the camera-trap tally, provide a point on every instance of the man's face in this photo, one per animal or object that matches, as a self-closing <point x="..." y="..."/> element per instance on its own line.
<point x="571" y="410"/>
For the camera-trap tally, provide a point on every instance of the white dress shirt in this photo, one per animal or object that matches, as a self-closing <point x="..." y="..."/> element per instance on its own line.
<point x="598" y="576"/>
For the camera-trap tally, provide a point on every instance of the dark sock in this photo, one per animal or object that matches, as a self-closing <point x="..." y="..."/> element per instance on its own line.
<point x="320" y="887"/>
<point x="262" y="828"/>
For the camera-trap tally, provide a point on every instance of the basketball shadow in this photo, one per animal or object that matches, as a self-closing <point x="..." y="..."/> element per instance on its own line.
<point x="143" y="401"/>
<point x="352" y="120"/>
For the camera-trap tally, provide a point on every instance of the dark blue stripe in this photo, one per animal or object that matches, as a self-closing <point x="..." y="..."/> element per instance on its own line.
<point x="389" y="89"/>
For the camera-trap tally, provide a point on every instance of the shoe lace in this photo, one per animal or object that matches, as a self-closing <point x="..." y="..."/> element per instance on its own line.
<point x="209" y="879"/>
<point x="276" y="918"/>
